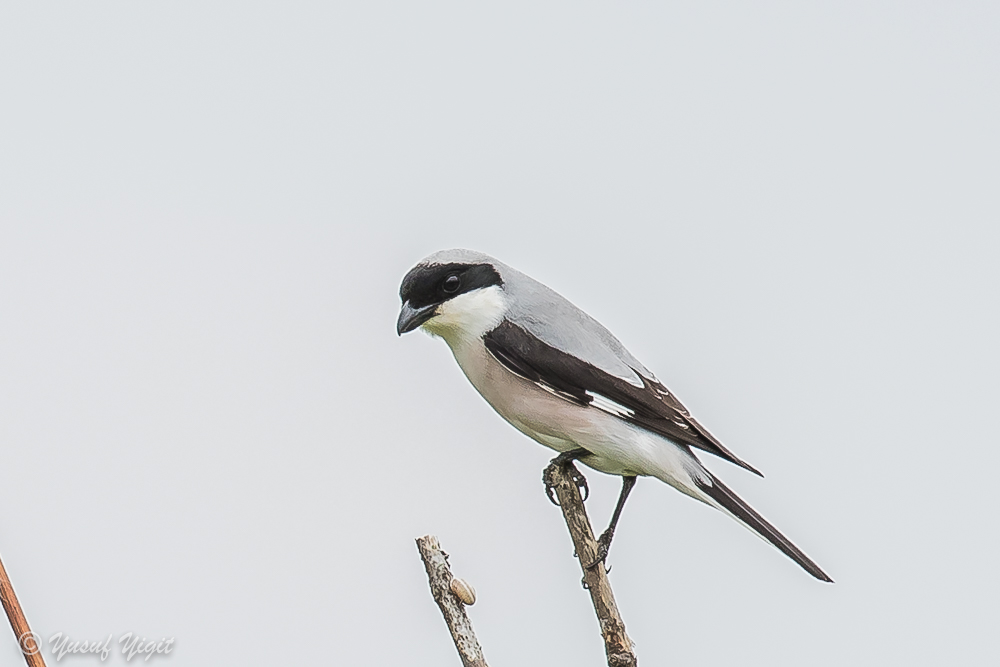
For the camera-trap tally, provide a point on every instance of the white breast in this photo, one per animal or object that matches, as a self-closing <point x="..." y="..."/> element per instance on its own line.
<point x="618" y="447"/>
<point x="468" y="316"/>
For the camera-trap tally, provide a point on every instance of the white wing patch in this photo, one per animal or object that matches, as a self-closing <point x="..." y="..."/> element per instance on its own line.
<point x="609" y="406"/>
<point x="555" y="392"/>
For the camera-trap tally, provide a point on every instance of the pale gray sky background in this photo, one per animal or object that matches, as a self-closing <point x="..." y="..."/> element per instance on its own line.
<point x="210" y="431"/>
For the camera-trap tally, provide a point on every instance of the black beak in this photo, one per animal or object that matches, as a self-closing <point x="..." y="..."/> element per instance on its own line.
<point x="410" y="318"/>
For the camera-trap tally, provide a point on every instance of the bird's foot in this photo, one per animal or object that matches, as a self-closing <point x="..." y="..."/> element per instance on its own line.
<point x="565" y="459"/>
<point x="550" y="483"/>
<point x="603" y="546"/>
<point x="583" y="580"/>
<point x="580" y="481"/>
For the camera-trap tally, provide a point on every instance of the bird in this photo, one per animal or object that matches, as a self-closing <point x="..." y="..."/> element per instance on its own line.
<point x="560" y="377"/>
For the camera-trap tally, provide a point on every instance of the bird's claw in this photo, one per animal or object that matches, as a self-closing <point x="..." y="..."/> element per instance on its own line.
<point x="575" y="475"/>
<point x="583" y="580"/>
<point x="549" y="484"/>
<point x="580" y="481"/>
<point x="603" y="546"/>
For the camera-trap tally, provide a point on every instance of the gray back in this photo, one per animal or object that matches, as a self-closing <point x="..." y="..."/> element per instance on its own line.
<point x="551" y="318"/>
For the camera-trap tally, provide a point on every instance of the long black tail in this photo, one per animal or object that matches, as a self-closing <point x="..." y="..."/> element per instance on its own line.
<point x="721" y="494"/>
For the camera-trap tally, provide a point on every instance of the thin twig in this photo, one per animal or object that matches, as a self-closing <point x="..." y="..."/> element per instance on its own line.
<point x="439" y="576"/>
<point x="27" y="640"/>
<point x="617" y="645"/>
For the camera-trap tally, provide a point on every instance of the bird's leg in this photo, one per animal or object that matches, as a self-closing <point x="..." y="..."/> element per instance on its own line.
<point x="604" y="541"/>
<point x="562" y="460"/>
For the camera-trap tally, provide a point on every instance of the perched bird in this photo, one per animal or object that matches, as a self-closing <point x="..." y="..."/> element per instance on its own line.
<point x="558" y="376"/>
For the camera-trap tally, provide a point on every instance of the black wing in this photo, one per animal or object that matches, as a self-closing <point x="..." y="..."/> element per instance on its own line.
<point x="651" y="406"/>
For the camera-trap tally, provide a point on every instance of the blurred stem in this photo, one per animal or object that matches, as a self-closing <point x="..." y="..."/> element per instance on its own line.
<point x="27" y="641"/>
<point x="439" y="576"/>
<point x="617" y="644"/>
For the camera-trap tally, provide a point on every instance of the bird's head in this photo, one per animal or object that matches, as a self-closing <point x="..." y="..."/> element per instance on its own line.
<point x="452" y="294"/>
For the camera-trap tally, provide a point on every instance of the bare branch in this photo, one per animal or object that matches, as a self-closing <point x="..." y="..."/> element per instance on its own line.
<point x="26" y="639"/>
<point x="440" y="578"/>
<point x="617" y="645"/>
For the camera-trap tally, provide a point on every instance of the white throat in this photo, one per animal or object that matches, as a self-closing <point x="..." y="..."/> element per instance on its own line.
<point x="469" y="316"/>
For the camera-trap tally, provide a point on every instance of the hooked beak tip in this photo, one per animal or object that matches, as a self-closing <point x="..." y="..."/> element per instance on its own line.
<point x="410" y="318"/>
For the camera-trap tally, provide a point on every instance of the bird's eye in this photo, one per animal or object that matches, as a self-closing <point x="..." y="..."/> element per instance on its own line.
<point x="451" y="284"/>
